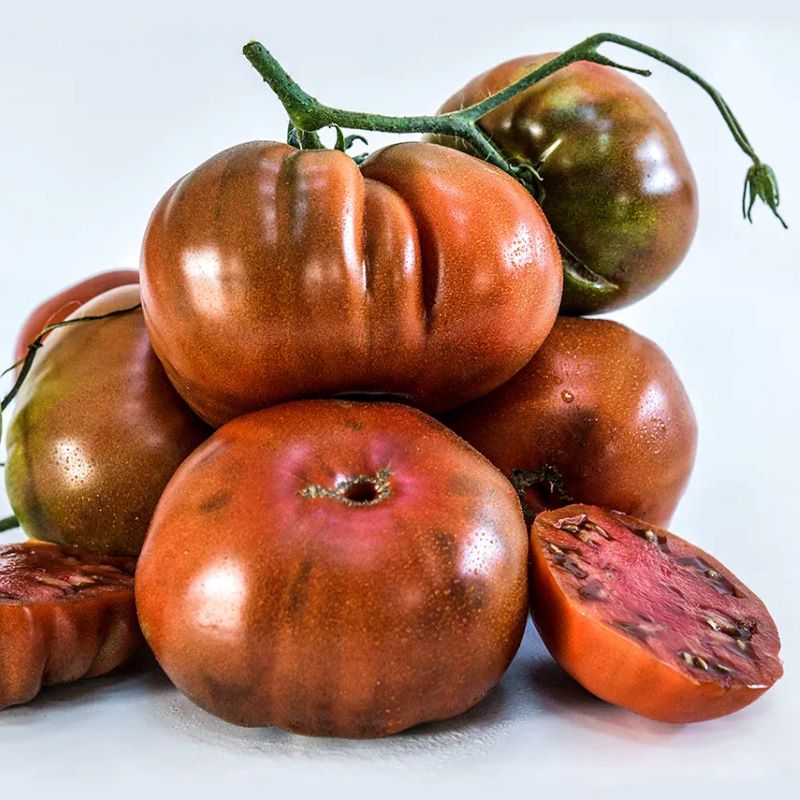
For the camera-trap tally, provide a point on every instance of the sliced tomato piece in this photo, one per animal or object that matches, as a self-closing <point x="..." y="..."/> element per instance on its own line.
<point x="646" y="620"/>
<point x="65" y="614"/>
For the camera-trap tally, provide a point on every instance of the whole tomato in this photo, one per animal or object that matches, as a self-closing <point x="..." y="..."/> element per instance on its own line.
<point x="335" y="568"/>
<point x="59" y="307"/>
<point x="601" y="404"/>
<point x="646" y="620"/>
<point x="271" y="274"/>
<point x="97" y="432"/>
<point x="65" y="614"/>
<point x="617" y="187"/>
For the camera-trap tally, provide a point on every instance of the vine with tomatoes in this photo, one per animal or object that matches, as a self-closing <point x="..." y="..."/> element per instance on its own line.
<point x="351" y="421"/>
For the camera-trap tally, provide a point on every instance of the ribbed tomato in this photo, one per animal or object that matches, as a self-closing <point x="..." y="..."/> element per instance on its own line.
<point x="271" y="274"/>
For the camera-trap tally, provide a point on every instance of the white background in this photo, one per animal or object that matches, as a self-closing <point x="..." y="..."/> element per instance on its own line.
<point x="103" y="105"/>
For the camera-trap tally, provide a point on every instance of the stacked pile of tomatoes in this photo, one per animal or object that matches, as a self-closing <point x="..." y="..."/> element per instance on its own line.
<point x="315" y="550"/>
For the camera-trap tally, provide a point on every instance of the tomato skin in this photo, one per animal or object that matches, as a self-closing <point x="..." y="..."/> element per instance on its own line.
<point x="60" y="306"/>
<point x="601" y="404"/>
<point x="96" y="433"/>
<point x="270" y="274"/>
<point x="268" y="603"/>
<point x="624" y="672"/>
<point x="54" y="640"/>
<point x="619" y="190"/>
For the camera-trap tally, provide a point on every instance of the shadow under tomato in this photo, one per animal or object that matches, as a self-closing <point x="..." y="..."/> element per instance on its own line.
<point x="470" y="734"/>
<point x="561" y="694"/>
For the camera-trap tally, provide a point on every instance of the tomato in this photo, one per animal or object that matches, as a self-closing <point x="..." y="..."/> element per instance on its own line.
<point x="97" y="432"/>
<point x="618" y="189"/>
<point x="601" y="404"/>
<point x="646" y="620"/>
<point x="270" y="274"/>
<point x="59" y="307"/>
<point x="65" y="614"/>
<point x="335" y="568"/>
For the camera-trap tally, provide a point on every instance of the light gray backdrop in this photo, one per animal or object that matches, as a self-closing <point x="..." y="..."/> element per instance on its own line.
<point x="103" y="105"/>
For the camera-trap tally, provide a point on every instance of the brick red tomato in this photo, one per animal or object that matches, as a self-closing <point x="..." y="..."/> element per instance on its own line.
<point x="65" y="614"/>
<point x="646" y="620"/>
<point x="335" y="568"/>
<point x="60" y="306"/>
<point x="270" y="274"/>
<point x="601" y="404"/>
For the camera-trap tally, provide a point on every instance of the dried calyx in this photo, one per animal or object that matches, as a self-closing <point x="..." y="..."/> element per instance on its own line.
<point x="360" y="491"/>
<point x="546" y="482"/>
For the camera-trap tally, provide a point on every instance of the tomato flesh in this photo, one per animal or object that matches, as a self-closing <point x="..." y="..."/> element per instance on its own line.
<point x="653" y="607"/>
<point x="65" y="614"/>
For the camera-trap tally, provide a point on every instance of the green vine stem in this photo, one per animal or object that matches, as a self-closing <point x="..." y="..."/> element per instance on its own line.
<point x="34" y="347"/>
<point x="8" y="524"/>
<point x="308" y="115"/>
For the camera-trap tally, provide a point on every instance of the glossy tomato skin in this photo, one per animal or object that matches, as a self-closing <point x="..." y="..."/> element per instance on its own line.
<point x="271" y="274"/>
<point x="270" y="598"/>
<point x="65" y="614"/>
<point x="620" y="659"/>
<point x="97" y="432"/>
<point x="601" y="404"/>
<point x="60" y="306"/>
<point x="618" y="190"/>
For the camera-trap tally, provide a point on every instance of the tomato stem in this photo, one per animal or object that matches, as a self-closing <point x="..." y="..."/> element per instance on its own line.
<point x="548" y="477"/>
<point x="8" y="524"/>
<point x="310" y="115"/>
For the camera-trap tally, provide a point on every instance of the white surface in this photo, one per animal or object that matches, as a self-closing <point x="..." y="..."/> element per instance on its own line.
<point x="104" y="105"/>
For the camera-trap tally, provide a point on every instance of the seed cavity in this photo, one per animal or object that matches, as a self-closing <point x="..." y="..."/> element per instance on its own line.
<point x="639" y="630"/>
<point x="692" y="660"/>
<point x="717" y="579"/>
<point x="644" y="532"/>
<point x="566" y="561"/>
<point x="56" y="583"/>
<point x="581" y="527"/>
<point x="740" y="630"/>
<point x="593" y="590"/>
